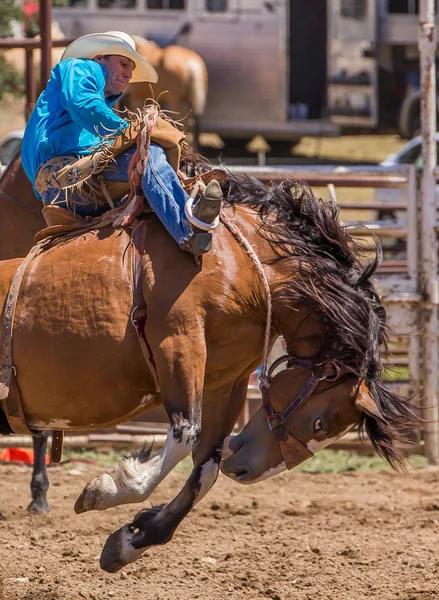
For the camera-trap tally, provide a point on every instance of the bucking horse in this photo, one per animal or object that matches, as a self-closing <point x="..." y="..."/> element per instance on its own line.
<point x="282" y="264"/>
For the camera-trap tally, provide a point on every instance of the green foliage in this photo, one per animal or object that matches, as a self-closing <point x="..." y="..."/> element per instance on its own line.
<point x="11" y="82"/>
<point x="109" y="457"/>
<point x="339" y="461"/>
<point x="326" y="461"/>
<point x="9" y="10"/>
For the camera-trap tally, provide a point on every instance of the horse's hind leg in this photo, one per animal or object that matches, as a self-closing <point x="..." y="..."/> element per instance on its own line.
<point x="40" y="482"/>
<point x="157" y="525"/>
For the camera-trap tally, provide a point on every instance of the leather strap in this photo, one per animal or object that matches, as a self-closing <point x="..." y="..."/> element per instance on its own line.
<point x="293" y="451"/>
<point x="189" y="182"/>
<point x="12" y="404"/>
<point x="57" y="446"/>
<point x="139" y="312"/>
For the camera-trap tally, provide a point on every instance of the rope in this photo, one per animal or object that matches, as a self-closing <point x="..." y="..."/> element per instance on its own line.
<point x="134" y="203"/>
<point x="239" y="236"/>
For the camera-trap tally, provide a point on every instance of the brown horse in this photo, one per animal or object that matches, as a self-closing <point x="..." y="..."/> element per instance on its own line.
<point x="182" y="83"/>
<point x="79" y="365"/>
<point x="20" y="219"/>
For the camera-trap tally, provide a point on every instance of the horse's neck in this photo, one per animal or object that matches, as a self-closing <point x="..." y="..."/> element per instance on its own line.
<point x="299" y="324"/>
<point x="20" y="211"/>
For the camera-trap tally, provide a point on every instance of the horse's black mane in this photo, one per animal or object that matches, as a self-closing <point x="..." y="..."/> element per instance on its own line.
<point x="307" y="232"/>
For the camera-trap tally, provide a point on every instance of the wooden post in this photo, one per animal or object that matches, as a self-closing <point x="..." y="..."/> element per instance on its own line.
<point x="31" y="94"/>
<point x="46" y="41"/>
<point x="429" y="263"/>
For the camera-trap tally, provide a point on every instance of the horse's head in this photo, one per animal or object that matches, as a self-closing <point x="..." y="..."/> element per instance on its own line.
<point x="306" y="407"/>
<point x="326" y="307"/>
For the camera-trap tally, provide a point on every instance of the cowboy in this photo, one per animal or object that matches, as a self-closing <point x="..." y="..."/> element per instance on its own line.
<point x="65" y="151"/>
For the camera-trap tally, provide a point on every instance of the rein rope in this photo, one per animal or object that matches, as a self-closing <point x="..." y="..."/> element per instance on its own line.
<point x="243" y="241"/>
<point x="132" y="206"/>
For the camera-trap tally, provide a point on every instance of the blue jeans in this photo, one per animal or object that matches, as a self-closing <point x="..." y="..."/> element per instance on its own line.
<point x="160" y="184"/>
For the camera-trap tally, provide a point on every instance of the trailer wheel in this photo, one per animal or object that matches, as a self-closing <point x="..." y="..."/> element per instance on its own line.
<point x="415" y="125"/>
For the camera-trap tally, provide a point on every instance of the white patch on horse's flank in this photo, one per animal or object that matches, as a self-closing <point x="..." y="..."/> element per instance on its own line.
<point x="315" y="446"/>
<point x="208" y="475"/>
<point x="51" y="424"/>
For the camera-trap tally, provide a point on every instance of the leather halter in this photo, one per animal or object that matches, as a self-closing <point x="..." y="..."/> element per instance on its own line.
<point x="293" y="451"/>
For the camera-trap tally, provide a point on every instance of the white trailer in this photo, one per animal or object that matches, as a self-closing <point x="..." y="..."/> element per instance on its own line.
<point x="281" y="68"/>
<point x="267" y="60"/>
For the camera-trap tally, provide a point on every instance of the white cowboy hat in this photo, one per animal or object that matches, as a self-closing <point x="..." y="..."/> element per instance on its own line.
<point x="112" y="42"/>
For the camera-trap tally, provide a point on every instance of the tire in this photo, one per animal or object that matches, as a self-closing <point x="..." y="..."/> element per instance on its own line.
<point x="415" y="126"/>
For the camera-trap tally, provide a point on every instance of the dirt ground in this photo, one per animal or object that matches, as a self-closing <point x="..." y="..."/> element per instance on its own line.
<point x="352" y="536"/>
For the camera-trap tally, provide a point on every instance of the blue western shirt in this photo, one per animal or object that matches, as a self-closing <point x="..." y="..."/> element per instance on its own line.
<point x="71" y="115"/>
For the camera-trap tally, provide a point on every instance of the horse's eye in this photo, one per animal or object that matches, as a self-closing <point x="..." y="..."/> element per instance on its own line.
<point x="318" y="426"/>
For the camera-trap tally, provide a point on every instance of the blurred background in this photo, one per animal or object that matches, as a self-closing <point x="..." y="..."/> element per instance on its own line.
<point x="327" y="80"/>
<point x="327" y="91"/>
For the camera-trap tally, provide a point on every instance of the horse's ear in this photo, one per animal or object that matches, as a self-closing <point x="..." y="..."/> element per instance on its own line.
<point x="365" y="403"/>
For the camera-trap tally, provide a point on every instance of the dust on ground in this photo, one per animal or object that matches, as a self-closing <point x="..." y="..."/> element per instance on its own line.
<point x="351" y="536"/>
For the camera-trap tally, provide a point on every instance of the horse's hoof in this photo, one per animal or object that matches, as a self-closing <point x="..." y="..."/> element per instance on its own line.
<point x="119" y="550"/>
<point x="38" y="506"/>
<point x="2" y="517"/>
<point x="86" y="501"/>
<point x="99" y="494"/>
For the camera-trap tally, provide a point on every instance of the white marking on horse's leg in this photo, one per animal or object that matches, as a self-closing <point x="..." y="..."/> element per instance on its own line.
<point x="128" y="553"/>
<point x="119" y="549"/>
<point x="208" y="475"/>
<point x="134" y="478"/>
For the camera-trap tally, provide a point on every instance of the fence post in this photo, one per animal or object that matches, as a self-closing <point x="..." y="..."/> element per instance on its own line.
<point x="46" y="41"/>
<point x="429" y="263"/>
<point x="31" y="94"/>
<point x="413" y="263"/>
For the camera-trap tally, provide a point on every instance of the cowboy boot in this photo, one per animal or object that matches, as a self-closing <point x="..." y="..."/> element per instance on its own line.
<point x="206" y="210"/>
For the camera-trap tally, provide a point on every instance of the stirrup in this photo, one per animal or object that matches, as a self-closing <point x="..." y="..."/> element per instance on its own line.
<point x="204" y="215"/>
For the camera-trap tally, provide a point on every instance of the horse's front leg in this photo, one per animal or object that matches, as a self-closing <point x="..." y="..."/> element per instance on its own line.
<point x="138" y="474"/>
<point x="157" y="525"/>
<point x="40" y="482"/>
<point x="136" y="477"/>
